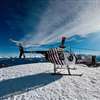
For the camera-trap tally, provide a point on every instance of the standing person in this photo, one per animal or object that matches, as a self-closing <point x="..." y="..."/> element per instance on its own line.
<point x="21" y="49"/>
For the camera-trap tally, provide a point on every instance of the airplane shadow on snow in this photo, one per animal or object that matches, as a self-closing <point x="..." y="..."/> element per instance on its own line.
<point x="23" y="84"/>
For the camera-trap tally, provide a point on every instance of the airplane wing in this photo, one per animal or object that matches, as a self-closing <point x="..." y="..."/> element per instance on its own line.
<point x="42" y="52"/>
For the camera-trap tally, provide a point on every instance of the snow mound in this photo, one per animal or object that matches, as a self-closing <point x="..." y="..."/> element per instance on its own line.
<point x="34" y="82"/>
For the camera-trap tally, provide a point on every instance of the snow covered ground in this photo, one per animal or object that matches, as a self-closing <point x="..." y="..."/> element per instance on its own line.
<point x="34" y="82"/>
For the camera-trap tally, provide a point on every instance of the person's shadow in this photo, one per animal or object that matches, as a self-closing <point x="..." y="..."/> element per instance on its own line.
<point x="26" y="83"/>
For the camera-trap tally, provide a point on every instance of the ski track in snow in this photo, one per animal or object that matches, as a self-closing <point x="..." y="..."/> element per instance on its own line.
<point x="51" y="87"/>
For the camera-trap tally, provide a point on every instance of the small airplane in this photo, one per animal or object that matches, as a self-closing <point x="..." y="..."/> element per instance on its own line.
<point x="57" y="56"/>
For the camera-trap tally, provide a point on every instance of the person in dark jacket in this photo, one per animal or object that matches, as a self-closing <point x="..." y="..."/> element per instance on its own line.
<point x="21" y="49"/>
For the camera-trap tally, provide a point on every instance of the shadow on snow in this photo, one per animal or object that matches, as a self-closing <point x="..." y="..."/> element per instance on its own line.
<point x="26" y="83"/>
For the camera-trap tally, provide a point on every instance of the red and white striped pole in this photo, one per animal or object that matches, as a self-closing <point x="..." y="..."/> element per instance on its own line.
<point x="62" y="42"/>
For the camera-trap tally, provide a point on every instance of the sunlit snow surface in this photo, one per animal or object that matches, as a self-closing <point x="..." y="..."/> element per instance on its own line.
<point x="34" y="82"/>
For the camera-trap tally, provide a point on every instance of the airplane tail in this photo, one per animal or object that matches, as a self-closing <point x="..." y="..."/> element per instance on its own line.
<point x="14" y="41"/>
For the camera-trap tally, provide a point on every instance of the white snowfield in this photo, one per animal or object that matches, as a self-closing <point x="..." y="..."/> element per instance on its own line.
<point x="34" y="82"/>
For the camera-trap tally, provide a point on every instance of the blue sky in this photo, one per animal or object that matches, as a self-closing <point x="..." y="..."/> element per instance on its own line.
<point x="46" y="21"/>
<point x="16" y="21"/>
